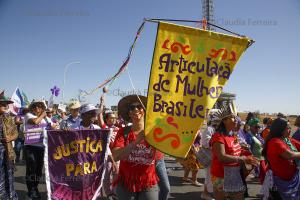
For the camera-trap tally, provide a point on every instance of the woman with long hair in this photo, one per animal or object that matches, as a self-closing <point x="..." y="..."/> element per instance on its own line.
<point x="282" y="154"/>
<point x="227" y="157"/>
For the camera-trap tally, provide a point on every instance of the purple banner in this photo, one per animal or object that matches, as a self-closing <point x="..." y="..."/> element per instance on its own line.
<point x="74" y="163"/>
<point x="34" y="133"/>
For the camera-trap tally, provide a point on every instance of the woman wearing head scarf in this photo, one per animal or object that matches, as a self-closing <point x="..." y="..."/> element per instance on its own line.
<point x="256" y="142"/>
<point x="137" y="178"/>
<point x="227" y="155"/>
<point x="8" y="133"/>
<point x="282" y="154"/>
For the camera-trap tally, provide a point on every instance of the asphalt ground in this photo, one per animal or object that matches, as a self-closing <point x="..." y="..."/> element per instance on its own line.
<point x="179" y="189"/>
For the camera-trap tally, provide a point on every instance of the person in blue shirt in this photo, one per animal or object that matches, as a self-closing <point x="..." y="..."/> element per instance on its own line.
<point x="73" y="119"/>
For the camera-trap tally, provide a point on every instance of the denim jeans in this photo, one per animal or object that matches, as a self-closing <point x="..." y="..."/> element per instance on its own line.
<point x="164" y="185"/>
<point x="147" y="194"/>
<point x="19" y="146"/>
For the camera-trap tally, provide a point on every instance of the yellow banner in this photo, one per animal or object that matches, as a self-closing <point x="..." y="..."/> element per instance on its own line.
<point x="189" y="70"/>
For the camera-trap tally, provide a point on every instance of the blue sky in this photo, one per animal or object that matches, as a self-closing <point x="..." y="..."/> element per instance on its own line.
<point x="38" y="38"/>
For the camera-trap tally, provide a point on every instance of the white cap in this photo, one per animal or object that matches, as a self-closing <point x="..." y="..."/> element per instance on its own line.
<point x="62" y="107"/>
<point x="87" y="107"/>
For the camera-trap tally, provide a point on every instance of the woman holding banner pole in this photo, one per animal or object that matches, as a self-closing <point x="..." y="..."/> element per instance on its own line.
<point x="137" y="178"/>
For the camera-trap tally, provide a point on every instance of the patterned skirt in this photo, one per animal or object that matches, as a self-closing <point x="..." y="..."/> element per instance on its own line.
<point x="288" y="190"/>
<point x="7" y="191"/>
<point x="191" y="162"/>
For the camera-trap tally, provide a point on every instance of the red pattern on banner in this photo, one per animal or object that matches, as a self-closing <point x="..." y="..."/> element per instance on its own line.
<point x="175" y="142"/>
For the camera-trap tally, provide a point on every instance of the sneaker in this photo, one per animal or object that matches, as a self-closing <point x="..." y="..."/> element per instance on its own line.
<point x="38" y="193"/>
<point x="112" y="197"/>
<point x="186" y="180"/>
<point x="34" y="195"/>
<point x="196" y="183"/>
<point x="206" y="196"/>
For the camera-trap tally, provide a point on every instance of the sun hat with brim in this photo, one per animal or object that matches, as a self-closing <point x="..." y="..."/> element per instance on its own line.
<point x="74" y="105"/>
<point x="4" y="99"/>
<point x="34" y="103"/>
<point x="125" y="102"/>
<point x="87" y="107"/>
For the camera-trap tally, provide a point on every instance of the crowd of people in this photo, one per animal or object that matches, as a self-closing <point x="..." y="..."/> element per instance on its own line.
<point x="232" y="150"/>
<point x="228" y="151"/>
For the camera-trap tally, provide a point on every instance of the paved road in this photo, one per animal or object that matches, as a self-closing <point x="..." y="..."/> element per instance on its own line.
<point x="183" y="191"/>
<point x="179" y="190"/>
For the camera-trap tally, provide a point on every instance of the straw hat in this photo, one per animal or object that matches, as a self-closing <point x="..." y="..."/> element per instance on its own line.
<point x="124" y="103"/>
<point x="74" y="105"/>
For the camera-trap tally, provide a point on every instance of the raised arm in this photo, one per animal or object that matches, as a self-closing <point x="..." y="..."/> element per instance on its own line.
<point x="37" y="120"/>
<point x="100" y="116"/>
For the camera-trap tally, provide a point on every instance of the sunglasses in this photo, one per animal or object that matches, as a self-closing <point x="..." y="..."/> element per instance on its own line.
<point x="135" y="106"/>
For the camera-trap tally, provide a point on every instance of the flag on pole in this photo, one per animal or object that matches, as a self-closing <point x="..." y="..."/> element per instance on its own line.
<point x="18" y="100"/>
<point x="190" y="68"/>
